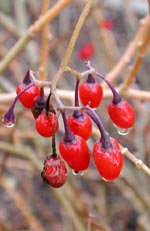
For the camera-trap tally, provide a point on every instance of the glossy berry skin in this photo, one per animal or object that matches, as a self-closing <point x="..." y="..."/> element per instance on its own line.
<point x="91" y="93"/>
<point x="87" y="51"/>
<point x="28" y="97"/>
<point x="122" y="114"/>
<point x="46" y="125"/>
<point x="109" y="162"/>
<point x="81" y="126"/>
<point x="75" y="153"/>
<point x="54" y="171"/>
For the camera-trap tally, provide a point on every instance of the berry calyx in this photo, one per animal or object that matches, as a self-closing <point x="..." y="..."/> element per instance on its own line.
<point x="122" y="114"/>
<point x="30" y="95"/>
<point x="54" y="172"/>
<point x="75" y="153"/>
<point x="109" y="162"/>
<point x="39" y="104"/>
<point x="80" y="125"/>
<point x="79" y="122"/>
<point x="90" y="92"/>
<point x="46" y="124"/>
<point x="87" y="51"/>
<point x="74" y="149"/>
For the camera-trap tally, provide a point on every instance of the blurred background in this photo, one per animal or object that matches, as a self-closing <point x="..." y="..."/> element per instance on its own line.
<point x="87" y="202"/>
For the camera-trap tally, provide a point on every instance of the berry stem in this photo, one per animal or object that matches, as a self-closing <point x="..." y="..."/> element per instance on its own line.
<point x="54" y="154"/>
<point x="27" y="79"/>
<point x="77" y="113"/>
<point x="47" y="103"/>
<point x="68" y="137"/>
<point x="105" y="139"/>
<point x="116" y="97"/>
<point x="90" y="79"/>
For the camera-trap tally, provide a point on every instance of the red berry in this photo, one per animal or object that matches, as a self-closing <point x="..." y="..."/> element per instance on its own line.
<point x="81" y="126"/>
<point x="46" y="125"/>
<point x="54" y="171"/>
<point x="109" y="162"/>
<point x="122" y="114"/>
<point x="75" y="153"/>
<point x="106" y="24"/>
<point x="87" y="51"/>
<point x="28" y="97"/>
<point x="91" y="93"/>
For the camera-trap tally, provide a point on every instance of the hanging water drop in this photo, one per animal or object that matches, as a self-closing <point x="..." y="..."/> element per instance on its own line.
<point x="8" y="124"/>
<point x="122" y="131"/>
<point x="76" y="173"/>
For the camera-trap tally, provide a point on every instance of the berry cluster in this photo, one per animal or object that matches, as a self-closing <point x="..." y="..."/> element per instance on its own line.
<point x="73" y="148"/>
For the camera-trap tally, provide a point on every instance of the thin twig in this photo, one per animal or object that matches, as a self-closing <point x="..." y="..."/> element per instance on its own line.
<point x="32" y="32"/>
<point x="133" y="45"/>
<point x="72" y="42"/>
<point x="21" y="204"/>
<point x="134" y="69"/>
<point x="45" y="44"/>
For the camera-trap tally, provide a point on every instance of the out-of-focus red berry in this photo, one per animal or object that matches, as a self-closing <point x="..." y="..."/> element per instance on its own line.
<point x="87" y="51"/>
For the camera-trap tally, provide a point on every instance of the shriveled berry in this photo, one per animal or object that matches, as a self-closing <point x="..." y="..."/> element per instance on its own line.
<point x="47" y="125"/>
<point x="75" y="153"/>
<point x="54" y="172"/>
<point x="80" y="125"/>
<point x="28" y="97"/>
<point x="122" y="114"/>
<point x="109" y="162"/>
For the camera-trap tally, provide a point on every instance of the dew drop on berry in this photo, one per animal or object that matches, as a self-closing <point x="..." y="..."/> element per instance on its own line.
<point x="77" y="173"/>
<point x="122" y="131"/>
<point x="8" y="124"/>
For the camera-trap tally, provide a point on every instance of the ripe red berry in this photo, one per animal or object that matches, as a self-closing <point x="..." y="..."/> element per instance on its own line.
<point x="54" y="171"/>
<point x="80" y="125"/>
<point x="122" y="114"/>
<point x="46" y="125"/>
<point x="109" y="162"/>
<point x="75" y="153"/>
<point x="87" y="51"/>
<point x="91" y="93"/>
<point x="28" y="97"/>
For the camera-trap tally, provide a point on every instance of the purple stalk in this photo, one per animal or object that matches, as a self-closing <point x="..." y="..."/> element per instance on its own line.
<point x="9" y="116"/>
<point x="77" y="113"/>
<point x="68" y="137"/>
<point x="27" y="79"/>
<point x="105" y="139"/>
<point x="90" y="79"/>
<point x="116" y="97"/>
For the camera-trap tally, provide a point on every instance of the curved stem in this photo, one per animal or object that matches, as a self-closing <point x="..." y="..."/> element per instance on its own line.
<point x="77" y="113"/>
<point x="105" y="139"/>
<point x="72" y="42"/>
<point x="68" y="134"/>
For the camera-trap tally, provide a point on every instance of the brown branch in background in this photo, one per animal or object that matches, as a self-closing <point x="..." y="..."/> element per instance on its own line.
<point x="72" y="42"/>
<point x="33" y="222"/>
<point x="9" y="24"/>
<point x="134" y="69"/>
<point x="32" y="32"/>
<point x="126" y="58"/>
<point x="45" y="44"/>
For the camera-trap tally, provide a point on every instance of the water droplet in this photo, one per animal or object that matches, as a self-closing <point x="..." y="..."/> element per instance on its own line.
<point x="76" y="173"/>
<point x="123" y="131"/>
<point x="8" y="124"/>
